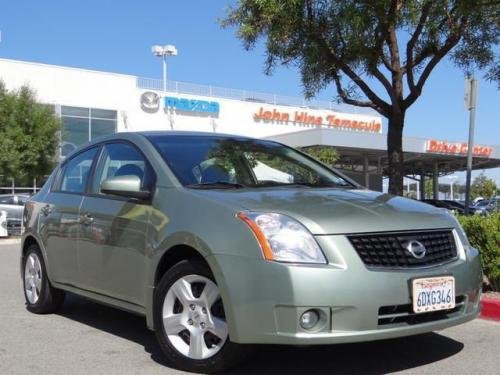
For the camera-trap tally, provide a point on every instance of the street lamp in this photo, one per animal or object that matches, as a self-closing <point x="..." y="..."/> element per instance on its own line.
<point x="453" y="178"/>
<point x="163" y="52"/>
<point x="470" y="105"/>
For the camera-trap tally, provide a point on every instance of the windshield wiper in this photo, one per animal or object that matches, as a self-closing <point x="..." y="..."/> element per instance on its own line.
<point x="216" y="185"/>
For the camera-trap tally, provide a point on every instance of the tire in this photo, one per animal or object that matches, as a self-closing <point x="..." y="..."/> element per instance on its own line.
<point x="190" y="301"/>
<point x="40" y="296"/>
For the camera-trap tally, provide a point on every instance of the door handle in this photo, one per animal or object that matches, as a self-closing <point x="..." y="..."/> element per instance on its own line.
<point x="46" y="210"/>
<point x="86" y="219"/>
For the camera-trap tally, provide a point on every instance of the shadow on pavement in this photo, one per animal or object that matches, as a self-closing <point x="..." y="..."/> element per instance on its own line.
<point x="378" y="357"/>
<point x="116" y="322"/>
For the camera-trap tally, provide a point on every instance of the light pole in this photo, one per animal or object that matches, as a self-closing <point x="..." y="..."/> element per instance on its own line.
<point x="452" y="178"/>
<point x="470" y="103"/>
<point x="163" y="52"/>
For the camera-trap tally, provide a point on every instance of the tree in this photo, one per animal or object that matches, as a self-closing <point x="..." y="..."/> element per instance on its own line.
<point x="327" y="155"/>
<point x="28" y="136"/>
<point x="483" y="186"/>
<point x="376" y="53"/>
<point x="429" y="189"/>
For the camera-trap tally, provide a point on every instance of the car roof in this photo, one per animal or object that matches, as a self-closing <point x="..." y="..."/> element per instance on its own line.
<point x="130" y="135"/>
<point x="174" y="133"/>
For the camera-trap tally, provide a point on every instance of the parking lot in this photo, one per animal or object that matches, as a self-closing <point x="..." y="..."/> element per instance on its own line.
<point x="86" y="338"/>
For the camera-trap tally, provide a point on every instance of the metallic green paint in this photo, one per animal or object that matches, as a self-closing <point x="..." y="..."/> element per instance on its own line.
<point x="114" y="257"/>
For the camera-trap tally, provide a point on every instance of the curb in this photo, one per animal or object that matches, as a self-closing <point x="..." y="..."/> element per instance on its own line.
<point x="491" y="308"/>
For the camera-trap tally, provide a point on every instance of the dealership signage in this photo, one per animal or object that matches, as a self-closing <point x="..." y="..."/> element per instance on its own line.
<point x="191" y="105"/>
<point x="334" y="120"/>
<point x="456" y="148"/>
<point x="150" y="102"/>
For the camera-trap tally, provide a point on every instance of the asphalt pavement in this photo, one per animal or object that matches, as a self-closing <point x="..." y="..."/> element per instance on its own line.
<point x="87" y="338"/>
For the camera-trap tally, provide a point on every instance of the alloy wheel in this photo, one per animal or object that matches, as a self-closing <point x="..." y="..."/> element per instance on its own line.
<point x="33" y="278"/>
<point x="193" y="317"/>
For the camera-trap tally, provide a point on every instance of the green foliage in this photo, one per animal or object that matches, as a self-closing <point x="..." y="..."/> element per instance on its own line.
<point x="483" y="186"/>
<point x="484" y="234"/>
<point x="327" y="155"/>
<point x="375" y="53"/>
<point x="28" y="136"/>
<point x="332" y="40"/>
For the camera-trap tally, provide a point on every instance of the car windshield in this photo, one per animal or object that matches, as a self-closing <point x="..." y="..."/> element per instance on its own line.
<point x="222" y="162"/>
<point x="483" y="203"/>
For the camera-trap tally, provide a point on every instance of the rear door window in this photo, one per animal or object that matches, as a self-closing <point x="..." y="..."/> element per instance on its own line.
<point x="75" y="174"/>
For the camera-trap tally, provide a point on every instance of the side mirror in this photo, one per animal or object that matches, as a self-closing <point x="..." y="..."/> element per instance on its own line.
<point x="125" y="186"/>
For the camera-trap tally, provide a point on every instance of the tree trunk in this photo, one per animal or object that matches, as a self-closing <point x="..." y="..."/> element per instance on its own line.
<point x="395" y="153"/>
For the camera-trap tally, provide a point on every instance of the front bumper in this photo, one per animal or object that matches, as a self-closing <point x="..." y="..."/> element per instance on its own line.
<point x="264" y="300"/>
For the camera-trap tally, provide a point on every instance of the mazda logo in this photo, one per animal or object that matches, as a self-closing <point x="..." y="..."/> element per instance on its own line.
<point x="415" y="248"/>
<point x="150" y="102"/>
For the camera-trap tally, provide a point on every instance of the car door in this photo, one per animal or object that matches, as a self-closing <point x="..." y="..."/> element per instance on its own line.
<point x="59" y="216"/>
<point x="114" y="229"/>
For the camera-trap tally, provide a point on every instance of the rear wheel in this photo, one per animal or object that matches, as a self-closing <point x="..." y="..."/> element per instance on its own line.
<point x="190" y="322"/>
<point x="41" y="297"/>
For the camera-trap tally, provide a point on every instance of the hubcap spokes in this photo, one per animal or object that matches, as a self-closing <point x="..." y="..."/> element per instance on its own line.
<point x="32" y="278"/>
<point x="193" y="323"/>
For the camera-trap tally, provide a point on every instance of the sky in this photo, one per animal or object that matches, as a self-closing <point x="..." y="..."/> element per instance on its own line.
<point x="117" y="37"/>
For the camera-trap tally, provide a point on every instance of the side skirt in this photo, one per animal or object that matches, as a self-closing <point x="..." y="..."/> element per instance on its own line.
<point x="103" y="299"/>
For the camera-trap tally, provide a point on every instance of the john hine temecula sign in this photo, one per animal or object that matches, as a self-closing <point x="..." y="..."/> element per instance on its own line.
<point x="333" y="120"/>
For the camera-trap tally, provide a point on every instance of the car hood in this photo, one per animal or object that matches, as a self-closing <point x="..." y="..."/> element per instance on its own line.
<point x="337" y="211"/>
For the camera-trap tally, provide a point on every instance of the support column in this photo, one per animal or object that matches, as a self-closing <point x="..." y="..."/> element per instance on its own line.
<point x="435" y="182"/>
<point x="365" y="172"/>
<point x="422" y="187"/>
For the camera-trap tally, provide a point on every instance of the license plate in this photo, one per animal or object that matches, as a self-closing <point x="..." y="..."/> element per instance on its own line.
<point x="433" y="294"/>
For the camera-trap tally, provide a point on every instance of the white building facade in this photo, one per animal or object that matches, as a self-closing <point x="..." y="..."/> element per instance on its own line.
<point x="92" y="103"/>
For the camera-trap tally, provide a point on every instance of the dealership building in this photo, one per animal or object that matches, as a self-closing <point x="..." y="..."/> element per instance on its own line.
<point x="93" y="103"/>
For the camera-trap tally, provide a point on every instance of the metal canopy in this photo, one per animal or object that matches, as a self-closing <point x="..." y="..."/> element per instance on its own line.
<point x="365" y="150"/>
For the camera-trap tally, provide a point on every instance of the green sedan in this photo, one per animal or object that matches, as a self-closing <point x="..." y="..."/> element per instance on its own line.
<point x="222" y="242"/>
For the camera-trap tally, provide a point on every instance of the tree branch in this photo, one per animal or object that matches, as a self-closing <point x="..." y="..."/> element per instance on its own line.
<point x="411" y="45"/>
<point x="391" y="37"/>
<point x="348" y="71"/>
<point x="377" y="103"/>
<point x="359" y="103"/>
<point x="375" y="71"/>
<point x="450" y="42"/>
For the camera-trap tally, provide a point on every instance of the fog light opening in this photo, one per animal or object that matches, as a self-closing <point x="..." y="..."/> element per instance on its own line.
<point x="309" y="319"/>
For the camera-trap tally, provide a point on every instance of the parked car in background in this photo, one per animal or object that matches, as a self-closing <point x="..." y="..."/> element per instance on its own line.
<point x="496" y="203"/>
<point x="445" y="205"/>
<point x="222" y="242"/>
<point x="461" y="205"/>
<point x="487" y="206"/>
<point x="13" y="204"/>
<point x="477" y="200"/>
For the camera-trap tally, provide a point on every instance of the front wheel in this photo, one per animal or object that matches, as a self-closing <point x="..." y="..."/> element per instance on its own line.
<point x="190" y="323"/>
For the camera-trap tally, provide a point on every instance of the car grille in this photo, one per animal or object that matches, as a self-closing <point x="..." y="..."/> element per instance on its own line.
<point x="385" y="250"/>
<point x="398" y="314"/>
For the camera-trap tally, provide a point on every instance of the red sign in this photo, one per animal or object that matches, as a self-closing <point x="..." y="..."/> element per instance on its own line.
<point x="456" y="148"/>
<point x="307" y="118"/>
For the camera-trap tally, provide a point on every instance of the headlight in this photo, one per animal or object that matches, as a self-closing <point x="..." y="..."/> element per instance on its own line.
<point x="461" y="232"/>
<point x="282" y="238"/>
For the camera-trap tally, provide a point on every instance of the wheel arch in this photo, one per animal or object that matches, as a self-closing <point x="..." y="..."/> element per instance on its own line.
<point x="174" y="255"/>
<point x="177" y="253"/>
<point x="29" y="240"/>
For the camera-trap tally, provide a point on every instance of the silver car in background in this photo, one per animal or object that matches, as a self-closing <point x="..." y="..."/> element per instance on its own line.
<point x="13" y="204"/>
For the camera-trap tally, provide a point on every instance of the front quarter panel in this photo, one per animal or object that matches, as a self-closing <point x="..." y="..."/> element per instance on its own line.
<point x="211" y="228"/>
